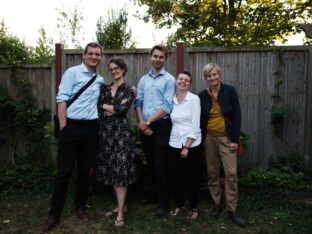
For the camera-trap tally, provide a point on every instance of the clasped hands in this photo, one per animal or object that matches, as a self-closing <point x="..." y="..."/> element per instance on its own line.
<point x="146" y="130"/>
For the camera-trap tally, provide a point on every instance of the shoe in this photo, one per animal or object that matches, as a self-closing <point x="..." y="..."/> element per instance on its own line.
<point x="193" y="214"/>
<point x="119" y="223"/>
<point x="234" y="217"/>
<point x="83" y="215"/>
<point x="49" y="224"/>
<point x="216" y="211"/>
<point x="160" y="213"/>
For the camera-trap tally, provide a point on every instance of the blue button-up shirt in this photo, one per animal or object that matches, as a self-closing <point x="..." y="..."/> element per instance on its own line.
<point x="85" y="106"/>
<point x="155" y="92"/>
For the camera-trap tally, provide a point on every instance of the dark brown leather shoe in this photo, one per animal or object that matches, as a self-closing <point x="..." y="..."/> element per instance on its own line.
<point x="83" y="215"/>
<point x="49" y="224"/>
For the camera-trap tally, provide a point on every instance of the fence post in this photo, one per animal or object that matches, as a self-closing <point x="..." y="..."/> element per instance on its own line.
<point x="180" y="57"/>
<point x="58" y="67"/>
<point x="309" y="109"/>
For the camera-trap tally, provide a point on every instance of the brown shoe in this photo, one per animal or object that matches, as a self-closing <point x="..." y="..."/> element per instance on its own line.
<point x="49" y="224"/>
<point x="83" y="215"/>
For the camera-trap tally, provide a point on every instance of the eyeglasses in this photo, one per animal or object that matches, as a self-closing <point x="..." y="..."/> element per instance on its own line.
<point x="114" y="69"/>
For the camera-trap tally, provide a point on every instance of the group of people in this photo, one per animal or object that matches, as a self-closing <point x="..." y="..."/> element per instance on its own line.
<point x="176" y="127"/>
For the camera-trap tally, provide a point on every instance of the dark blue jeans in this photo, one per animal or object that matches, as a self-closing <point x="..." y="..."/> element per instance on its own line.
<point x="78" y="144"/>
<point x="155" y="148"/>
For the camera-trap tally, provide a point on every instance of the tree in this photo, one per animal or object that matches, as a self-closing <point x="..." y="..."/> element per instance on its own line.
<point x="228" y="22"/>
<point x="113" y="33"/>
<point x="44" y="49"/>
<point x="70" y="28"/>
<point x="13" y="50"/>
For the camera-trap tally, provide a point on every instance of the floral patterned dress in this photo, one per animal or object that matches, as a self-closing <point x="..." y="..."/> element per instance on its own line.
<point x="115" y="165"/>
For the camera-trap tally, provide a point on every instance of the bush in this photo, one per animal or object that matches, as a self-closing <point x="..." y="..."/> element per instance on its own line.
<point x="282" y="179"/>
<point x="22" y="123"/>
<point x="25" y="178"/>
<point x="294" y="161"/>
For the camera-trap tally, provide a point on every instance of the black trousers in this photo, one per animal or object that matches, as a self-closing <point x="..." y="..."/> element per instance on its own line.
<point x="155" y="148"/>
<point x="185" y="175"/>
<point x="78" y="144"/>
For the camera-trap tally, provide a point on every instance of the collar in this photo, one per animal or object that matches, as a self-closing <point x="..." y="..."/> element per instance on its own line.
<point x="85" y="70"/>
<point x="187" y="97"/>
<point x="161" y="73"/>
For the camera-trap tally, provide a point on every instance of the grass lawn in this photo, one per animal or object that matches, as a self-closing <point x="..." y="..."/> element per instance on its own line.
<point x="266" y="212"/>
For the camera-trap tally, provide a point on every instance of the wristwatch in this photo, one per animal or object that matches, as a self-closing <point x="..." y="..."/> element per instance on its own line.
<point x="148" y="122"/>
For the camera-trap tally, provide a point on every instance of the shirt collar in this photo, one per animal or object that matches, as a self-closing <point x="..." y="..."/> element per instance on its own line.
<point x="187" y="98"/>
<point x="161" y="73"/>
<point x="85" y="70"/>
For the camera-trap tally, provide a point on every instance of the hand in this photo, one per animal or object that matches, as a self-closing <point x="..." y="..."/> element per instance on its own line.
<point x="142" y="125"/>
<point x="107" y="113"/>
<point x="148" y="132"/>
<point x="124" y="101"/>
<point x="134" y="91"/>
<point x="233" y="146"/>
<point x="62" y="125"/>
<point x="184" y="153"/>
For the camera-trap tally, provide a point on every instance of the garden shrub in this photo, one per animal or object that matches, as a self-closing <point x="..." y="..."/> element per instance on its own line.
<point x="25" y="178"/>
<point x="282" y="179"/>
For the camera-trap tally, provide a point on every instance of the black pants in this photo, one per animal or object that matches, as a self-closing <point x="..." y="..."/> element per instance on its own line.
<point x="185" y="175"/>
<point x="78" y="143"/>
<point x="155" y="148"/>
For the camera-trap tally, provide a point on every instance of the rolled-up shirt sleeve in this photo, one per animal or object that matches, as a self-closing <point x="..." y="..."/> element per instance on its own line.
<point x="65" y="88"/>
<point x="140" y="95"/>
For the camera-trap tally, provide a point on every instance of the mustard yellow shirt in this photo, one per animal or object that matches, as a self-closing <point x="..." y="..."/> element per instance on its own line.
<point x="216" y="123"/>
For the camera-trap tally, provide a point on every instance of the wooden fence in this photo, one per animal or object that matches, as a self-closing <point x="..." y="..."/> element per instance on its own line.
<point x="266" y="78"/>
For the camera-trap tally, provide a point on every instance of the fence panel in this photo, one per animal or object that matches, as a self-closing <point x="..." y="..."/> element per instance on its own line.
<point x="265" y="78"/>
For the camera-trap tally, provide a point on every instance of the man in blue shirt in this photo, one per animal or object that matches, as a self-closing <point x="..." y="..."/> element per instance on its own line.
<point x="153" y="105"/>
<point x="78" y="137"/>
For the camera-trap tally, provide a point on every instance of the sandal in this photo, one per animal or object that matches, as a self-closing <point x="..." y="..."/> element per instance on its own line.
<point x="119" y="223"/>
<point x="193" y="214"/>
<point x="114" y="212"/>
<point x="177" y="211"/>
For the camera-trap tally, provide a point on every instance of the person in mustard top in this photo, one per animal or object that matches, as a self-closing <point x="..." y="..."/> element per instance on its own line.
<point x="220" y="125"/>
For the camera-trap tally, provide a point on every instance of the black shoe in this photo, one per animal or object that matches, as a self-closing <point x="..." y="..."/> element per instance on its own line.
<point x="234" y="217"/>
<point x="160" y="213"/>
<point x="216" y="211"/>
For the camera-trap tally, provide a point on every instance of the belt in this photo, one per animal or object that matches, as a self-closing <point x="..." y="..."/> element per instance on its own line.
<point x="80" y="121"/>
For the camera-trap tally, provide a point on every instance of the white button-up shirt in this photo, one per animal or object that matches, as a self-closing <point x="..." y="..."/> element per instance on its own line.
<point x="185" y="119"/>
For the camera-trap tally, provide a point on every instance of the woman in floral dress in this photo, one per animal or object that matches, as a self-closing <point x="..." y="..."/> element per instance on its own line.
<point x="115" y="165"/>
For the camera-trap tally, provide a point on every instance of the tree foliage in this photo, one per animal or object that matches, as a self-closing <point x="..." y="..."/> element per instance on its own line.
<point x="69" y="27"/>
<point x="44" y="49"/>
<point x="13" y="50"/>
<point x="228" y="22"/>
<point x="113" y="33"/>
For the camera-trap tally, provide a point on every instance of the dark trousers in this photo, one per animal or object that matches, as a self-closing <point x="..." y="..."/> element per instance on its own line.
<point x="185" y="175"/>
<point x="78" y="143"/>
<point x="155" y="148"/>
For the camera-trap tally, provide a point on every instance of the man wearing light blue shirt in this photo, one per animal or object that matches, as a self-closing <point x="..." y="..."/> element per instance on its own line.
<point x="153" y="105"/>
<point x="78" y="137"/>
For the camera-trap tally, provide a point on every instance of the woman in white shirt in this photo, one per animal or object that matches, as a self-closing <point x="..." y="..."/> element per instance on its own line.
<point x="184" y="149"/>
